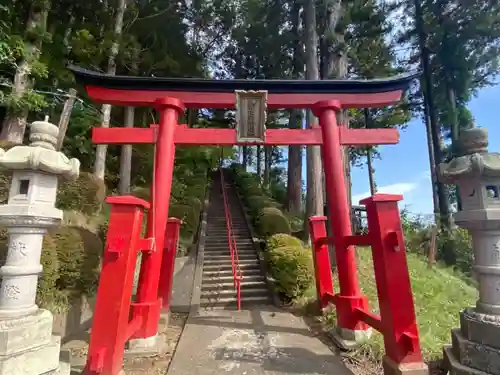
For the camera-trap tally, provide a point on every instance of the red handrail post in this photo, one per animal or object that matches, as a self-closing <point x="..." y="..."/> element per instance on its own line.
<point x="110" y="325"/>
<point x="233" y="249"/>
<point x="321" y="259"/>
<point x="168" y="261"/>
<point x="395" y="297"/>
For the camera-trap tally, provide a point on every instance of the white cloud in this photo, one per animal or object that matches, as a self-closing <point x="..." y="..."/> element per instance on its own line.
<point x="398" y="188"/>
<point x="417" y="193"/>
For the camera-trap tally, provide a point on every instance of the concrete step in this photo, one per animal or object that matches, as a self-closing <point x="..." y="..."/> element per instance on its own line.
<point x="223" y="232"/>
<point x="246" y="284"/>
<point x="228" y="266"/>
<point x="221" y="240"/>
<point x="217" y="274"/>
<point x="232" y="303"/>
<point x="228" y="260"/>
<point x="210" y="258"/>
<point x="228" y="279"/>
<point x="218" y="252"/>
<point x="231" y="293"/>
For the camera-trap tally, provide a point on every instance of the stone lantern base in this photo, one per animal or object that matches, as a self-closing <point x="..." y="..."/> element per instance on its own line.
<point x="476" y="345"/>
<point x="27" y="346"/>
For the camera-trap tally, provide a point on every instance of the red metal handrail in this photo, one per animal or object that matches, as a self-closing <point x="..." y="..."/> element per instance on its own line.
<point x="233" y="249"/>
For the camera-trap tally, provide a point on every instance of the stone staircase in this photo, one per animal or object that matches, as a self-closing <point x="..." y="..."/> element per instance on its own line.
<point x="217" y="289"/>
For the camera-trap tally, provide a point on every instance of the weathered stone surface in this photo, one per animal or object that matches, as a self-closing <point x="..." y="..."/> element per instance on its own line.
<point x="392" y="368"/>
<point x="35" y="361"/>
<point x="475" y="355"/>
<point x="480" y="328"/>
<point x="26" y="333"/>
<point x="454" y="367"/>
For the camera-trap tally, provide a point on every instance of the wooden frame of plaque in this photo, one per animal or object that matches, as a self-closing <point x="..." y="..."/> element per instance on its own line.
<point x="251" y="115"/>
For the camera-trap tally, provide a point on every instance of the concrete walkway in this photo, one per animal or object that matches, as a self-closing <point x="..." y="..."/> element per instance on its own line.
<point x="264" y="340"/>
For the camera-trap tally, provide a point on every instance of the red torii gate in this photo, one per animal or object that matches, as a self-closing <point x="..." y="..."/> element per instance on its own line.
<point x="169" y="96"/>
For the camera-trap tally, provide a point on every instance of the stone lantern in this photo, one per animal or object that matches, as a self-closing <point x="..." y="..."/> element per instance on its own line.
<point x="26" y="342"/>
<point x="476" y="172"/>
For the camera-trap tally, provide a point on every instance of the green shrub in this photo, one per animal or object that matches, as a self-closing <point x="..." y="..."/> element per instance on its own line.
<point x="140" y="192"/>
<point x="86" y="194"/>
<point x="292" y="269"/>
<point x="280" y="239"/>
<point x="79" y="253"/>
<point x="455" y="249"/>
<point x="272" y="221"/>
<point x="46" y="289"/>
<point x="256" y="203"/>
<point x="5" y="179"/>
<point x="188" y="214"/>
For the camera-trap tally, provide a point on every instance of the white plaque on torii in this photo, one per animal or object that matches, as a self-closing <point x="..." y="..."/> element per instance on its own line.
<point x="251" y="114"/>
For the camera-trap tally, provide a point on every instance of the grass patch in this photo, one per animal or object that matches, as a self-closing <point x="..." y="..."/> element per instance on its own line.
<point x="439" y="295"/>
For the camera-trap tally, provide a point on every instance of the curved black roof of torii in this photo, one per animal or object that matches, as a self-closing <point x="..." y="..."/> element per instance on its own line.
<point x="333" y="86"/>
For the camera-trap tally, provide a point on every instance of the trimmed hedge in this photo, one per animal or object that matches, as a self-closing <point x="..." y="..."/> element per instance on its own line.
<point x="290" y="264"/>
<point x="256" y="203"/>
<point x="272" y="221"/>
<point x="86" y="194"/>
<point x="279" y="240"/>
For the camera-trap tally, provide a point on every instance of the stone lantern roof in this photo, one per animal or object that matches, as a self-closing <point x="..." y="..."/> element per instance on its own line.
<point x="474" y="160"/>
<point x="41" y="154"/>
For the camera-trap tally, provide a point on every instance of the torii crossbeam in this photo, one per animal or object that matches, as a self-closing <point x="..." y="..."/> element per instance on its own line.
<point x="251" y="98"/>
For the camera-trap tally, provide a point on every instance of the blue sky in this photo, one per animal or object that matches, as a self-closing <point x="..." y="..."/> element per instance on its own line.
<point x="404" y="168"/>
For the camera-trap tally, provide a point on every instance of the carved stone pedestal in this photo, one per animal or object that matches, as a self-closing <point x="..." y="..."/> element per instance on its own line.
<point x="27" y="346"/>
<point x="475" y="348"/>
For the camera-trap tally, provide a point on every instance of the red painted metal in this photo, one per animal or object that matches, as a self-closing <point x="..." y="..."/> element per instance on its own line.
<point x="321" y="258"/>
<point x="231" y="241"/>
<point x="168" y="261"/>
<point x="225" y="137"/>
<point x="147" y="98"/>
<point x="114" y="292"/>
<point x="397" y="316"/>
<point x="147" y="303"/>
<point x="395" y="297"/>
<point x="349" y="298"/>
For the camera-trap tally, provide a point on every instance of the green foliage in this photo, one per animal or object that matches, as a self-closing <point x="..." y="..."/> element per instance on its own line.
<point x="279" y="240"/>
<point x="272" y="221"/>
<point x="290" y="265"/>
<point x="5" y="179"/>
<point x="78" y="252"/>
<point x="86" y="194"/>
<point x="454" y="248"/>
<point x="257" y="202"/>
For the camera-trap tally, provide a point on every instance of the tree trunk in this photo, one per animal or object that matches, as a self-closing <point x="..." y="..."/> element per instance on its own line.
<point x="294" y="178"/>
<point x="371" y="172"/>
<point x="334" y="56"/>
<point x="267" y="166"/>
<point x="245" y="156"/>
<point x="369" y="161"/>
<point x="126" y="156"/>
<point x="314" y="198"/>
<point x="259" y="162"/>
<point x="65" y="116"/>
<point x="294" y="175"/>
<point x="100" y="155"/>
<point x="442" y="192"/>
<point x="14" y="125"/>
